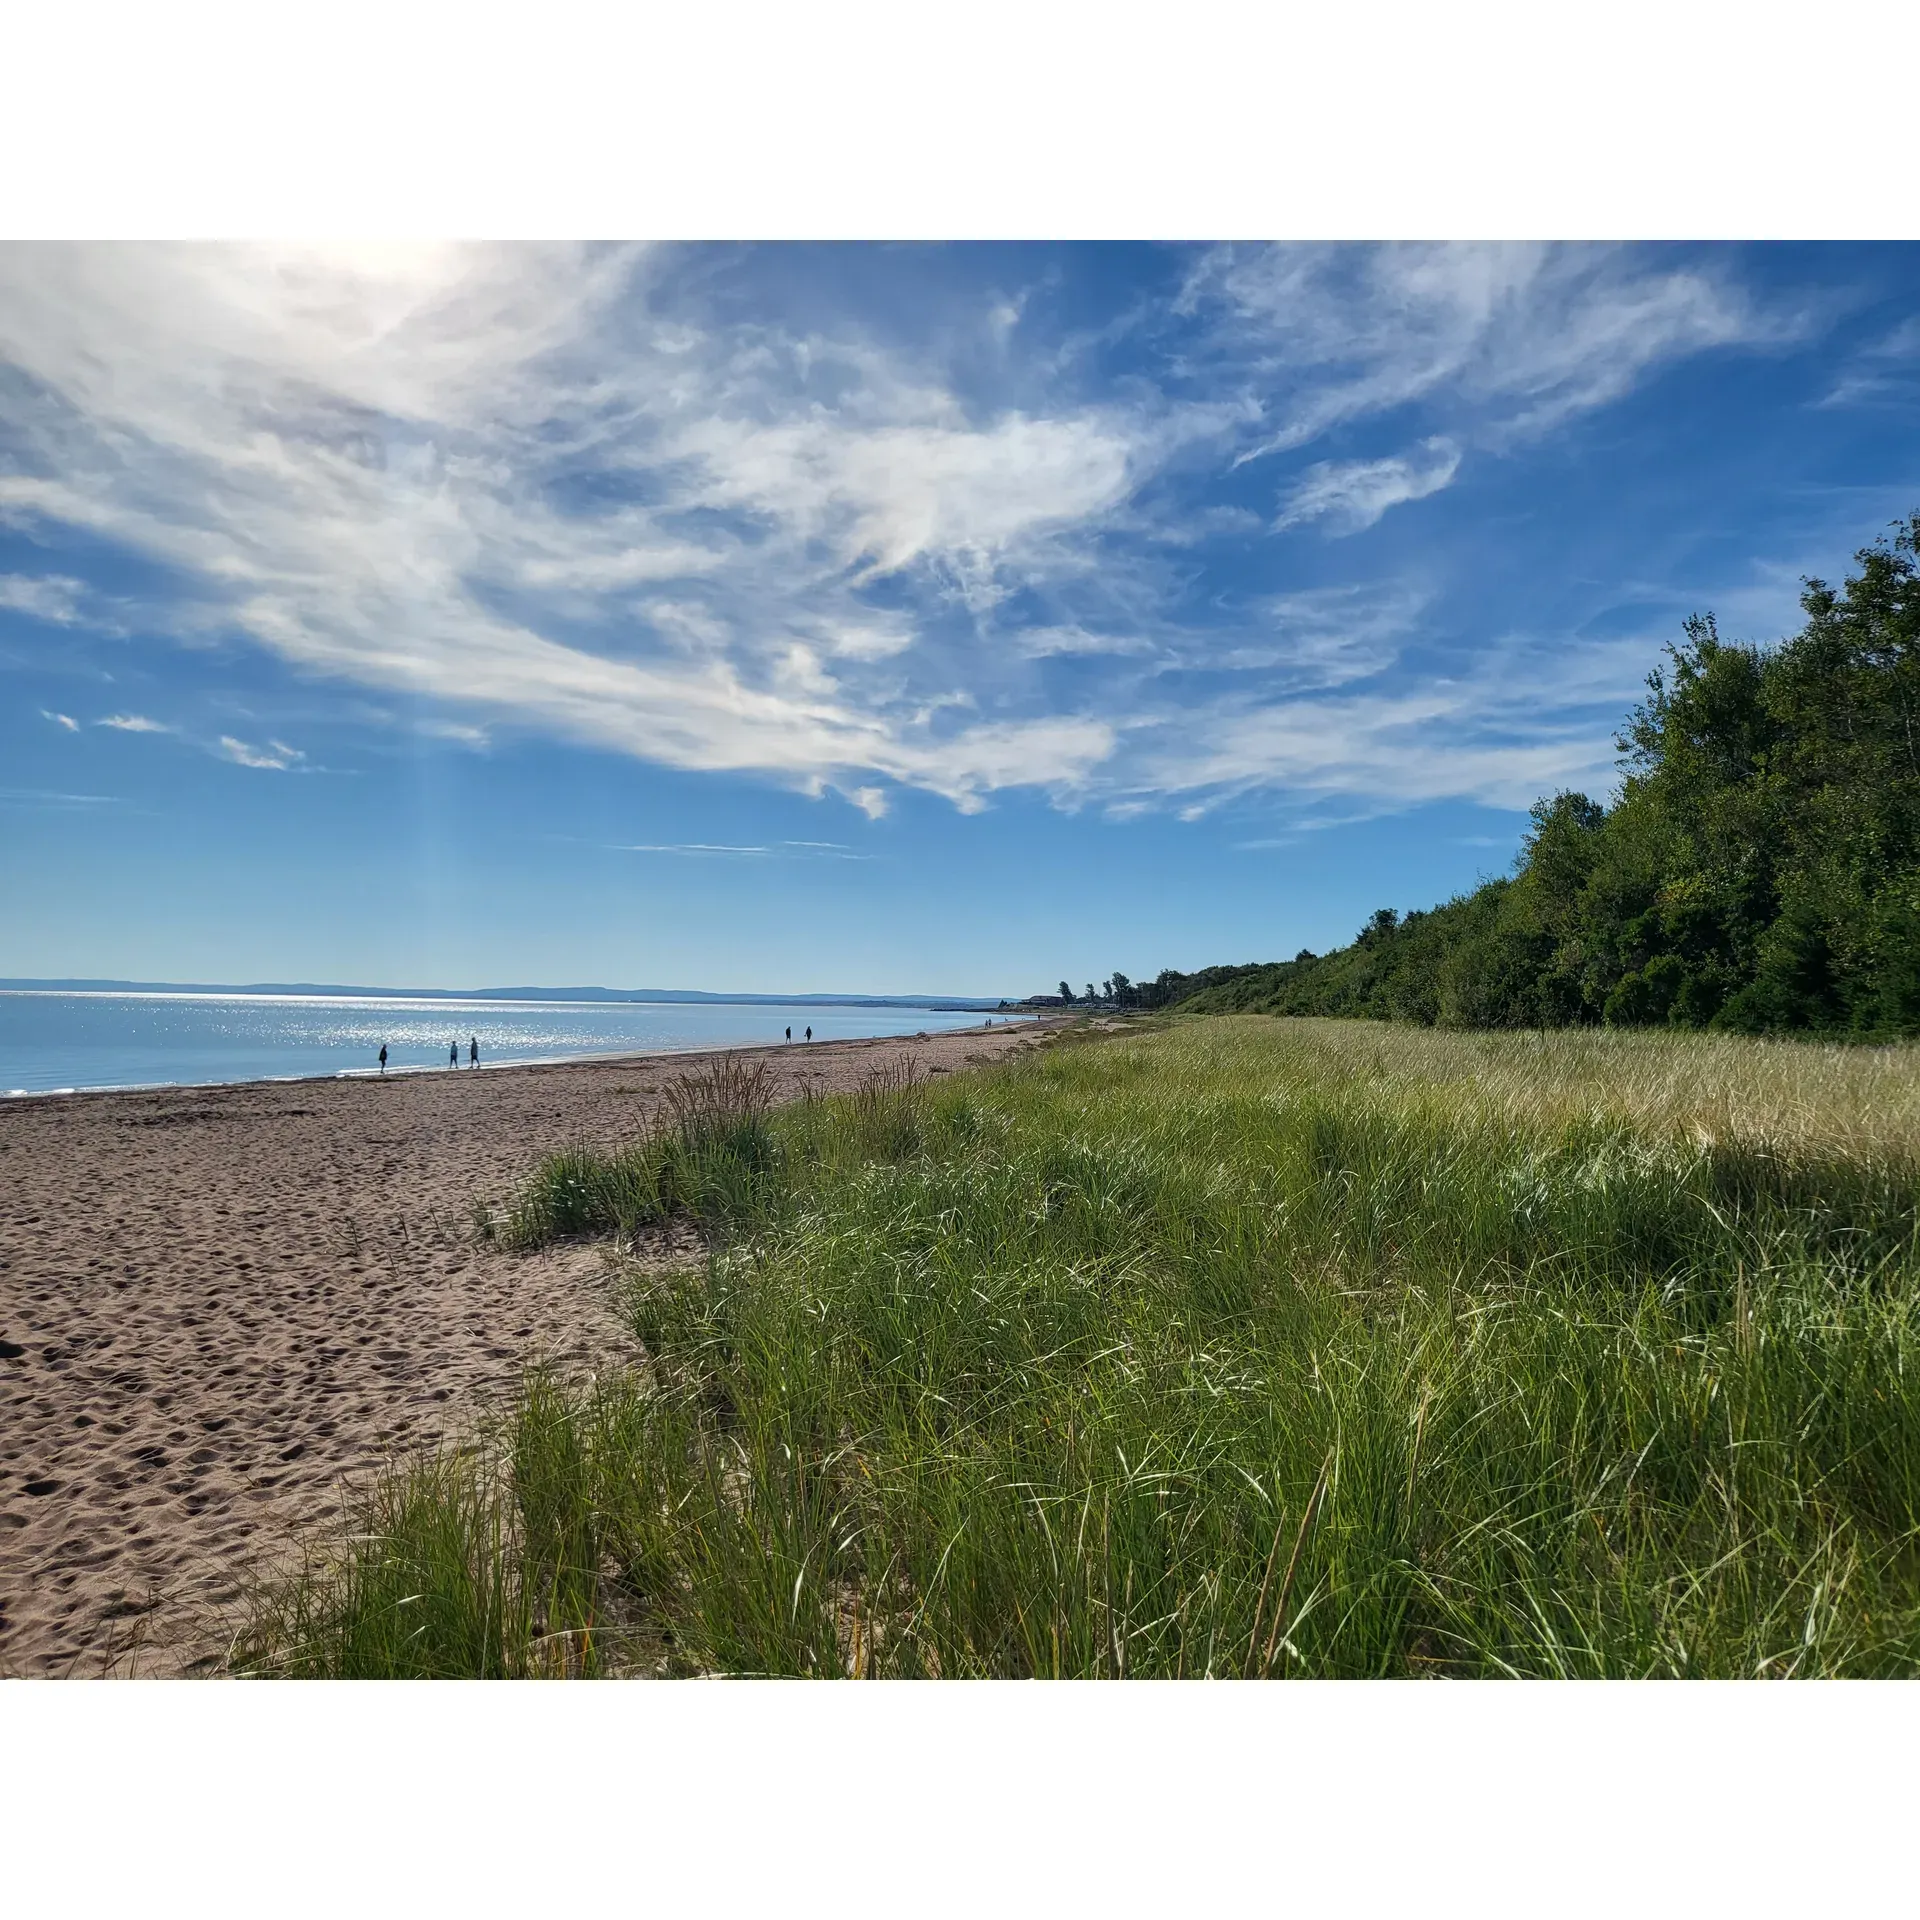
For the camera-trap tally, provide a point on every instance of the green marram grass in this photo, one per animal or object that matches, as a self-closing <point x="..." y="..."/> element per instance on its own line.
<point x="1236" y="1347"/>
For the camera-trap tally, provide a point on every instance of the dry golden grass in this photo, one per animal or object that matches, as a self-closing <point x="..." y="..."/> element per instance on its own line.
<point x="1711" y="1088"/>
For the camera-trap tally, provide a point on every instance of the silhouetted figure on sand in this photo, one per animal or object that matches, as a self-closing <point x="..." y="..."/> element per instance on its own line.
<point x="473" y="1050"/>
<point x="789" y="1033"/>
<point x="383" y="1059"/>
<point x="453" y="1054"/>
<point x="809" y="1033"/>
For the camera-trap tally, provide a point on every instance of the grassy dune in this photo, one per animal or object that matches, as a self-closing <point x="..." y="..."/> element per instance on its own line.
<point x="1242" y="1347"/>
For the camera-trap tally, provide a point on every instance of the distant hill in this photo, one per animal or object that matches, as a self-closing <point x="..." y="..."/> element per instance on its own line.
<point x="930" y="1002"/>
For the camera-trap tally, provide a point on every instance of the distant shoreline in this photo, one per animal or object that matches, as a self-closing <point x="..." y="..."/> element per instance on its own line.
<point x="547" y="1063"/>
<point x="548" y="996"/>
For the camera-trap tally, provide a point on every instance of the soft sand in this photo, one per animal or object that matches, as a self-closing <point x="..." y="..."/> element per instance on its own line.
<point x="216" y="1302"/>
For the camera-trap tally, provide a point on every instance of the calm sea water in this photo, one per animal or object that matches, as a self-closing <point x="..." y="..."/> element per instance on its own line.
<point x="55" y="1041"/>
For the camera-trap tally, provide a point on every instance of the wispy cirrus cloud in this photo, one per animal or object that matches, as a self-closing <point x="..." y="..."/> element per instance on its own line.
<point x="380" y="484"/>
<point x="1301" y="643"/>
<point x="1521" y="719"/>
<point x="133" y="723"/>
<point x="275" y="757"/>
<point x="51" y="597"/>
<point x="559" y="490"/>
<point x="457" y="731"/>
<point x="775" y="850"/>
<point x="39" y="798"/>
<point x="1505" y="339"/>
<point x="1352" y="495"/>
<point x="1886" y="369"/>
<point x="691" y="846"/>
<point x="1039" y="643"/>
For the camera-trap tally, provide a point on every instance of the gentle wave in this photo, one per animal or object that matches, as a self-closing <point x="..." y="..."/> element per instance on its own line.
<point x="52" y="1042"/>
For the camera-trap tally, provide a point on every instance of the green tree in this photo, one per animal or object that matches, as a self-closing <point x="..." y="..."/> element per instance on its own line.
<point x="1758" y="869"/>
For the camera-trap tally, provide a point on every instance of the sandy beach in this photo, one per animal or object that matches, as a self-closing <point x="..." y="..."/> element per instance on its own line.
<point x="219" y="1304"/>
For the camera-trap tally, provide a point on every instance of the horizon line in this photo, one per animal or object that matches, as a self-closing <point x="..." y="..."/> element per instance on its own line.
<point x="89" y="984"/>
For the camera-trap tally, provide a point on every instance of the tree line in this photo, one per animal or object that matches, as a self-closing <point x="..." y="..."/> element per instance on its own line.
<point x="1758" y="870"/>
<point x="1115" y="991"/>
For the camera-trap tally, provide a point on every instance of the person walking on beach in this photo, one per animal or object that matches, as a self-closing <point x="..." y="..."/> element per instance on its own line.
<point x="383" y="1059"/>
<point x="453" y="1054"/>
<point x="809" y="1033"/>
<point x="789" y="1033"/>
<point x="473" y="1050"/>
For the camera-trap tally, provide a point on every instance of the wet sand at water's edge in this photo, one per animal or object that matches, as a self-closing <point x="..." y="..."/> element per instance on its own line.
<point x="217" y="1304"/>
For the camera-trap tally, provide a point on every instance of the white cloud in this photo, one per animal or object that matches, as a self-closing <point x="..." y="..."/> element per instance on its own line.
<point x="1318" y="638"/>
<point x="133" y="723"/>
<point x="38" y="798"/>
<point x="1002" y="317"/>
<point x="1886" y="369"/>
<point x="779" y="850"/>
<point x="371" y="463"/>
<point x="545" y="489"/>
<point x="274" y="757"/>
<point x="879" y="639"/>
<point x="1508" y="339"/>
<point x="1526" y="717"/>
<point x="692" y="846"/>
<point x="51" y="597"/>
<point x="1353" y="494"/>
<point x="1041" y="643"/>
<point x="881" y="498"/>
<point x="61" y="720"/>
<point x="1190" y="528"/>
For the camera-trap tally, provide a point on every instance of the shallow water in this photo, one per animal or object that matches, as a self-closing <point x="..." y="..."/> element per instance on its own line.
<point x="55" y="1041"/>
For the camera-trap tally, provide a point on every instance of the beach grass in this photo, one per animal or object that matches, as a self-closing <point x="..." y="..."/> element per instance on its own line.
<point x="716" y="1159"/>
<point x="1235" y="1347"/>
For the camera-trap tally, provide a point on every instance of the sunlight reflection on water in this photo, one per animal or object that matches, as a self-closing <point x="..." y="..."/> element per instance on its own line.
<point x="50" y="1041"/>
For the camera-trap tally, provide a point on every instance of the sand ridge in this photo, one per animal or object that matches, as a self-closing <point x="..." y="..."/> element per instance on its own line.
<point x="219" y="1304"/>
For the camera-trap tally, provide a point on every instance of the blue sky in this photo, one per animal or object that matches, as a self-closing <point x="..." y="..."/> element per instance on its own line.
<point x="891" y="618"/>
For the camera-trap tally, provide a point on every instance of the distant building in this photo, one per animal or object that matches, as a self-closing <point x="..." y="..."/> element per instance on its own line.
<point x="1043" y="1000"/>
